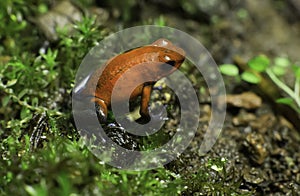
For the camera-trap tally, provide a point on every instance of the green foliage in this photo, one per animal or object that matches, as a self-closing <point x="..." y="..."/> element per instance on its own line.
<point x="12" y="21"/>
<point x="23" y="77"/>
<point x="33" y="83"/>
<point x="250" y="77"/>
<point x="160" y="21"/>
<point x="282" y="62"/>
<point x="242" y="13"/>
<point x="73" y="48"/>
<point x="18" y="33"/>
<point x="229" y="70"/>
<point x="294" y="93"/>
<point x="279" y="67"/>
<point x="259" y="63"/>
<point x="65" y="167"/>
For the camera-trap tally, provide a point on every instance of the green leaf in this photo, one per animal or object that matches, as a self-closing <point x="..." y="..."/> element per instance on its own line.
<point x="24" y="112"/>
<point x="259" y="63"/>
<point x="160" y="21"/>
<point x="286" y="100"/>
<point x="22" y="93"/>
<point x="229" y="69"/>
<point x="242" y="13"/>
<point x="5" y="100"/>
<point x="42" y="8"/>
<point x="37" y="190"/>
<point x="282" y="62"/>
<point x="35" y="102"/>
<point x="11" y="82"/>
<point x="250" y="77"/>
<point x="65" y="184"/>
<point x="279" y="71"/>
<point x="297" y="70"/>
<point x="298" y="73"/>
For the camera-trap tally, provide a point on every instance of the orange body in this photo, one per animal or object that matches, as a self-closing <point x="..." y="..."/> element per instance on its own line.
<point x="153" y="57"/>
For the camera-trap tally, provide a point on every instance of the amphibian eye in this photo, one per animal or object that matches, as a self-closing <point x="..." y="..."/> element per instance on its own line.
<point x="167" y="58"/>
<point x="172" y="63"/>
<point x="169" y="61"/>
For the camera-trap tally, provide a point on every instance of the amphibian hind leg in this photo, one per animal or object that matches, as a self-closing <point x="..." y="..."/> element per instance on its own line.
<point x="101" y="109"/>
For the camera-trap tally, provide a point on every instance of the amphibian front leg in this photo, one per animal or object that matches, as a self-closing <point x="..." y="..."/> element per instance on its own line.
<point x="145" y="99"/>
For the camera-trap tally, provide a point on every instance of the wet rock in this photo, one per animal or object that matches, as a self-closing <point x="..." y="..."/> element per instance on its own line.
<point x="263" y="123"/>
<point x="247" y="100"/>
<point x="101" y="14"/>
<point x="253" y="176"/>
<point x="256" y="147"/>
<point x="212" y="7"/>
<point x="296" y="5"/>
<point x="63" y="16"/>
<point x="243" y="118"/>
<point x="121" y="137"/>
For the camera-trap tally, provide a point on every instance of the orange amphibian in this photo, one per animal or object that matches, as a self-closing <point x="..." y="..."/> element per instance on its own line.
<point x="154" y="56"/>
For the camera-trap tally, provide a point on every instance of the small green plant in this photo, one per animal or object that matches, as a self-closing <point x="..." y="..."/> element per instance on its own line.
<point x="275" y="71"/>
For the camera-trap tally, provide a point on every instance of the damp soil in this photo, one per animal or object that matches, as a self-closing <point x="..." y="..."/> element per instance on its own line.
<point x="259" y="142"/>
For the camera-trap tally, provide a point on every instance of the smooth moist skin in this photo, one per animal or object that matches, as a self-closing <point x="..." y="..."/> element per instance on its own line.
<point x="154" y="57"/>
